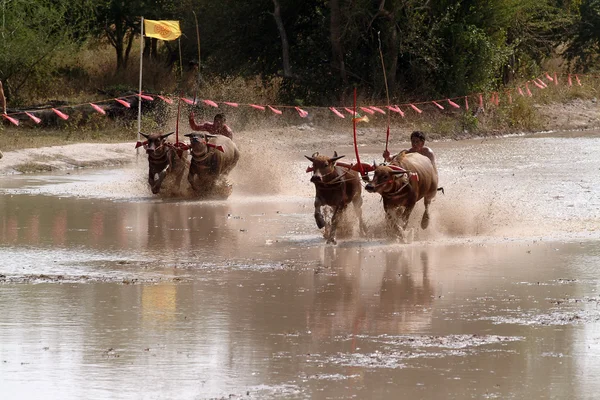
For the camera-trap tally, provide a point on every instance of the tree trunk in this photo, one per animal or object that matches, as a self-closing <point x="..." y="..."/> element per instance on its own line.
<point x="285" y="46"/>
<point x="128" y="49"/>
<point x="337" y="51"/>
<point x="394" y="49"/>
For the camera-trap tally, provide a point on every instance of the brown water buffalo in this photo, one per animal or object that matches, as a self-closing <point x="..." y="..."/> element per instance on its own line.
<point x="162" y="157"/>
<point x="213" y="158"/>
<point x="335" y="187"/>
<point x="408" y="179"/>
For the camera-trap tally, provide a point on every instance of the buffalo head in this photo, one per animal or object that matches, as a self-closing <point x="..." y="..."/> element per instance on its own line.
<point x="322" y="166"/>
<point x="383" y="179"/>
<point x="199" y="142"/>
<point x="155" y="141"/>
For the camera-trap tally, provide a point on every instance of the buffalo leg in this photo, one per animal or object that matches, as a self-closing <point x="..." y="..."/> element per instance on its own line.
<point x="155" y="179"/>
<point x="357" y="203"/>
<point x="406" y="215"/>
<point x="391" y="219"/>
<point x="152" y="181"/>
<point x="425" y="219"/>
<point x="318" y="214"/>
<point x="337" y="211"/>
<point x="191" y="180"/>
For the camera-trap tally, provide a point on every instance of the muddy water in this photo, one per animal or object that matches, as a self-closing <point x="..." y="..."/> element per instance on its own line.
<point x="108" y="292"/>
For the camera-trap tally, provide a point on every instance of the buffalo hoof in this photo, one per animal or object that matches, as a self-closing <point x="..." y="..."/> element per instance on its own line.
<point x="331" y="241"/>
<point x="425" y="221"/>
<point x="320" y="221"/>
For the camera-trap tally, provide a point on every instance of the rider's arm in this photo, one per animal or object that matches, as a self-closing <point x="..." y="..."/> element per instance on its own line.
<point x="195" y="126"/>
<point x="429" y="153"/>
<point x="227" y="132"/>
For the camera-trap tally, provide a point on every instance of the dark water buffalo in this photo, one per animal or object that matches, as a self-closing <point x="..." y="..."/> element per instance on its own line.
<point x="408" y="179"/>
<point x="162" y="157"/>
<point x="335" y="187"/>
<point x="213" y="158"/>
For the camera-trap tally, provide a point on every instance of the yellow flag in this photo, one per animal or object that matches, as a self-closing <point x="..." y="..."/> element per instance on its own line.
<point x="163" y="30"/>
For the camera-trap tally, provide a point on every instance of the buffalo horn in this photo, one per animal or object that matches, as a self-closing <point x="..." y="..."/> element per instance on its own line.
<point x="166" y="135"/>
<point x="144" y="135"/>
<point x="311" y="159"/>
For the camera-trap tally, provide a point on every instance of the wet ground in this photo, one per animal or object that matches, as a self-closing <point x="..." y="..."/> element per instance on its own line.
<point x="109" y="292"/>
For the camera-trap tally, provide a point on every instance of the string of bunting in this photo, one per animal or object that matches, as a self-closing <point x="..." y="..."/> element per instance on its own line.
<point x="276" y="109"/>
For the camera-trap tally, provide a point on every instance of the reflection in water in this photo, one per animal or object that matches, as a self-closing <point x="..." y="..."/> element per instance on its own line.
<point x="159" y="303"/>
<point x="382" y="292"/>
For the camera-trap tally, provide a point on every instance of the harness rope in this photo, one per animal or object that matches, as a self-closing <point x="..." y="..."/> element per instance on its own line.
<point x="337" y="180"/>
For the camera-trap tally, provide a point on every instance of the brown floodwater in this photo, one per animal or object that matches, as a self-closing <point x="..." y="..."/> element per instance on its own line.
<point x="109" y="292"/>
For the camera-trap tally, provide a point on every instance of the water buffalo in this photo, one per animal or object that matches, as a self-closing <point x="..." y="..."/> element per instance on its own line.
<point x="408" y="179"/>
<point x="161" y="157"/>
<point x="335" y="187"/>
<point x="213" y="158"/>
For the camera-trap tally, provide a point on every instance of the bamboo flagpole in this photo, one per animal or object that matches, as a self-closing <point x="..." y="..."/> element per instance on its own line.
<point x="163" y="30"/>
<point x="387" y="93"/>
<point x="139" y="126"/>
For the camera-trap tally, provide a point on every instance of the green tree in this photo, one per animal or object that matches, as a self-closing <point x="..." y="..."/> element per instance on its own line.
<point x="119" y="21"/>
<point x="32" y="34"/>
<point x="583" y="45"/>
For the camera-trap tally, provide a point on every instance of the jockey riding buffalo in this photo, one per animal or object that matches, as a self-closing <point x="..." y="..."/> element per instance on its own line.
<point x="408" y="179"/>
<point x="335" y="187"/>
<point x="213" y="158"/>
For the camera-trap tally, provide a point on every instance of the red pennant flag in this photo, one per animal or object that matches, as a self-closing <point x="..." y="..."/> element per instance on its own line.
<point x="336" y="112"/>
<point x="570" y="81"/>
<point x="509" y="97"/>
<point x="276" y="111"/>
<point x="537" y="84"/>
<point x="302" y="113"/>
<point x="521" y="91"/>
<point x="466" y="103"/>
<point x="416" y="108"/>
<point x="190" y="102"/>
<point x="214" y="146"/>
<point x="231" y="104"/>
<point x="97" y="108"/>
<point x="124" y="103"/>
<point x="527" y="89"/>
<point x="33" y="118"/>
<point x="555" y="79"/>
<point x="210" y="103"/>
<point x="542" y="83"/>
<point x="396" y="109"/>
<point x="257" y="107"/>
<point x="578" y="81"/>
<point x="11" y="119"/>
<point x="367" y="110"/>
<point x="438" y="105"/>
<point x="549" y="77"/>
<point x="349" y="111"/>
<point x="379" y="110"/>
<point x="165" y="99"/>
<point x="146" y="97"/>
<point x="60" y="114"/>
<point x="453" y="104"/>
<point x="480" y="101"/>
